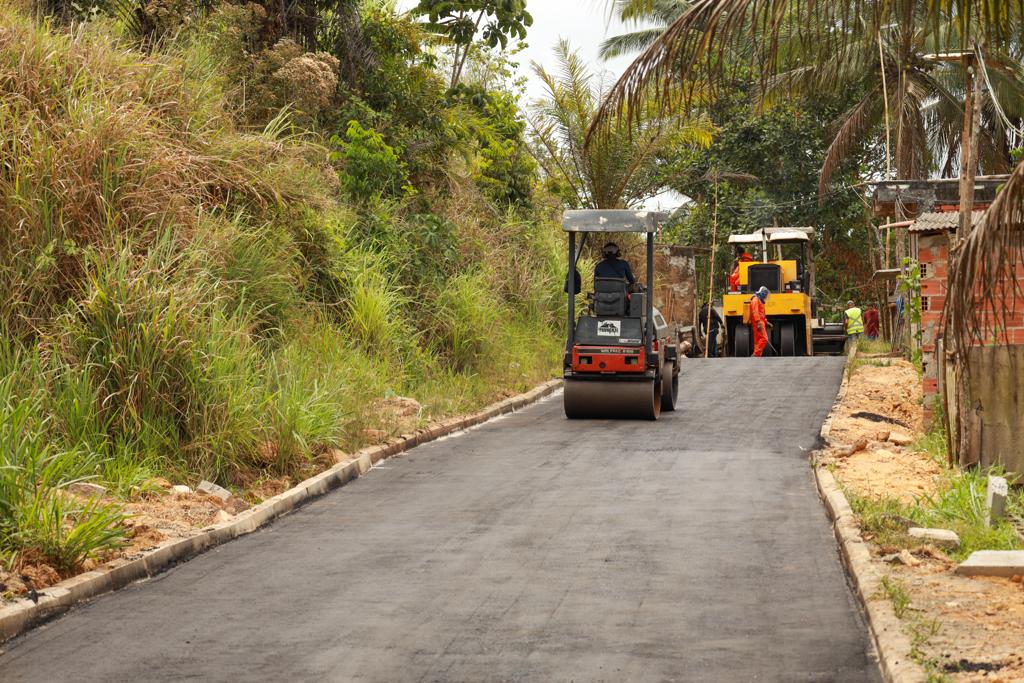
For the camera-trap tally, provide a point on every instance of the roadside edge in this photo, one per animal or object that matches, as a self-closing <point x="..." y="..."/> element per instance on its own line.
<point x="892" y="645"/>
<point x="24" y="614"/>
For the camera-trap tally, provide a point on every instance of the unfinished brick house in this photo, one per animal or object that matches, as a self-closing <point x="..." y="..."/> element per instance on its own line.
<point x="932" y="208"/>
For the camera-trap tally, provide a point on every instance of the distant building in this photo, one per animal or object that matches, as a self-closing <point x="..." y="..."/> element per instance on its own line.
<point x="932" y="209"/>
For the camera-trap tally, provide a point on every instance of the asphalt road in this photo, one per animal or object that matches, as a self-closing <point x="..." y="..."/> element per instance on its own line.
<point x="531" y="549"/>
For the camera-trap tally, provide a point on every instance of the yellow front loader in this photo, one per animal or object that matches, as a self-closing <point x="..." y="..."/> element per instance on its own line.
<point x="782" y="263"/>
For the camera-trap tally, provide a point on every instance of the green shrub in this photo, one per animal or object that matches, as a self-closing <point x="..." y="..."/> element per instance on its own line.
<point x="371" y="169"/>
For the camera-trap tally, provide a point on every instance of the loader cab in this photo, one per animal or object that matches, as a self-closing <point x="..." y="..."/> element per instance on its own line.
<point x="782" y="260"/>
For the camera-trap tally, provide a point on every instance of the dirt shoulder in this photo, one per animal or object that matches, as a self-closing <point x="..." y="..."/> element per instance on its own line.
<point x="961" y="629"/>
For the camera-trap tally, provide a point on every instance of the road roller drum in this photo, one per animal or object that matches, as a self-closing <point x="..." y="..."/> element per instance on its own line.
<point x="612" y="399"/>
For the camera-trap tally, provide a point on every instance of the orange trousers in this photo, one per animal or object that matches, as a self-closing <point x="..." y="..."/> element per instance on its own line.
<point x="760" y="340"/>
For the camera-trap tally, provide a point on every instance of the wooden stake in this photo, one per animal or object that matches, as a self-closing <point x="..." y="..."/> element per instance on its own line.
<point x="711" y="277"/>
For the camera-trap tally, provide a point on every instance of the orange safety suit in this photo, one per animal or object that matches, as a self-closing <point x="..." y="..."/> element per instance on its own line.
<point x="734" y="277"/>
<point x="759" y="323"/>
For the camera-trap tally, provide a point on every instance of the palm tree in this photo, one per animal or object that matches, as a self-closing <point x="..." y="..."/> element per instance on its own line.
<point x="925" y="97"/>
<point x="662" y="13"/>
<point x="619" y="169"/>
<point x="694" y="46"/>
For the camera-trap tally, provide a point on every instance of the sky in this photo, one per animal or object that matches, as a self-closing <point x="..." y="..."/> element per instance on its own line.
<point x="585" y="23"/>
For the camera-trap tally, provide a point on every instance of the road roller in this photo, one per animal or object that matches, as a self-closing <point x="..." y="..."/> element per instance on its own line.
<point x="784" y="265"/>
<point x="620" y="359"/>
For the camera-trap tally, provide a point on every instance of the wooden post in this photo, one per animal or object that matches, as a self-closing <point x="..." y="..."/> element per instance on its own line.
<point x="968" y="166"/>
<point x="711" y="277"/>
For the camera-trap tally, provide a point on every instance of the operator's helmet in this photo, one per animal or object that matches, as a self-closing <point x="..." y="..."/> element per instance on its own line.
<point x="762" y="294"/>
<point x="610" y="250"/>
<point x="850" y="304"/>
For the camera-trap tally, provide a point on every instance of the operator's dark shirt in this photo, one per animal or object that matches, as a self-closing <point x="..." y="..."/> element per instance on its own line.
<point x="615" y="267"/>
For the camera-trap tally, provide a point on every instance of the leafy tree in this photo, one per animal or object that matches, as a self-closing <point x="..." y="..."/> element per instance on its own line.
<point x="763" y="166"/>
<point x="370" y="168"/>
<point x="460" y="21"/>
<point x="620" y="168"/>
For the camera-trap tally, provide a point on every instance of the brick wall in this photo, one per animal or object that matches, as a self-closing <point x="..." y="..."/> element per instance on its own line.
<point x="933" y="255"/>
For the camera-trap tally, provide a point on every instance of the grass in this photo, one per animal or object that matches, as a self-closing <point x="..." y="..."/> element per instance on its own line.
<point x="873" y="346"/>
<point x="897" y="592"/>
<point x="190" y="299"/>
<point x="958" y="505"/>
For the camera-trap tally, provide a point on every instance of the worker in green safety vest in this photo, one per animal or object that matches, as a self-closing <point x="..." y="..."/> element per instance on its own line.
<point x="854" y="323"/>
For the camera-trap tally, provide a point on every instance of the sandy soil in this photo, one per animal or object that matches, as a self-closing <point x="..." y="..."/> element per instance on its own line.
<point x="969" y="629"/>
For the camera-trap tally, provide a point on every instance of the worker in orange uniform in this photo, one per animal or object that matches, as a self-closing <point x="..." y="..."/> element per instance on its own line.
<point x="759" y="321"/>
<point x="742" y="256"/>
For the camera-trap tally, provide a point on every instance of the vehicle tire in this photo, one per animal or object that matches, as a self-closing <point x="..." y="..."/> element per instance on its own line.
<point x="787" y="343"/>
<point x="670" y="386"/>
<point x="741" y="341"/>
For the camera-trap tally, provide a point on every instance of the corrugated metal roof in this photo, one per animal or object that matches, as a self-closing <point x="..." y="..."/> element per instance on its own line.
<point x="941" y="221"/>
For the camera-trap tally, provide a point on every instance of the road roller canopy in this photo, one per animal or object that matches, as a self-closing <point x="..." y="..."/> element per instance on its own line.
<point x="613" y="220"/>
<point x="774" y="236"/>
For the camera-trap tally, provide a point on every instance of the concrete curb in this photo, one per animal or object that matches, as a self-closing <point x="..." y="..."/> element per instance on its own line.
<point x="891" y="643"/>
<point x="22" y="615"/>
<point x="826" y="428"/>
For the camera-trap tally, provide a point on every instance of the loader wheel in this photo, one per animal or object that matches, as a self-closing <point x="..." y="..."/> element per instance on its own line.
<point x="670" y="387"/>
<point x="741" y="341"/>
<point x="788" y="341"/>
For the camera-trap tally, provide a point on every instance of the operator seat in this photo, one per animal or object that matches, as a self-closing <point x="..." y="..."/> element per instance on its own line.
<point x="611" y="296"/>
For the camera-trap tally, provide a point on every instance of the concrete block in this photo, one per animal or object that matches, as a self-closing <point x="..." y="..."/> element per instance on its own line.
<point x="211" y="489"/>
<point x="998" y="488"/>
<point x="940" y="537"/>
<point x="1006" y="563"/>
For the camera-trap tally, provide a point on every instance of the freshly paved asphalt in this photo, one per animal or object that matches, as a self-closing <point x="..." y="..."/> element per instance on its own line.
<point x="531" y="549"/>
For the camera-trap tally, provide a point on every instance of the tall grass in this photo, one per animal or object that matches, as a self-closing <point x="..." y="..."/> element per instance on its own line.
<point x="35" y="512"/>
<point x="187" y="298"/>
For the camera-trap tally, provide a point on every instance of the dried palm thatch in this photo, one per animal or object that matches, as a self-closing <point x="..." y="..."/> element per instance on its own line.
<point x="985" y="289"/>
<point x="713" y="35"/>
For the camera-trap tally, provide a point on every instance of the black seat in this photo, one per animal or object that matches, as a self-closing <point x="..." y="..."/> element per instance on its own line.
<point x="611" y="296"/>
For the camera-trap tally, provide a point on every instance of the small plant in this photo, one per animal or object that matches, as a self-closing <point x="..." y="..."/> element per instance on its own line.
<point x="909" y="285"/>
<point x="897" y="592"/>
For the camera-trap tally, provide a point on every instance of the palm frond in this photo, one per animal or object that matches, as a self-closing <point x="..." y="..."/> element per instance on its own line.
<point x="695" y="45"/>
<point x="627" y="43"/>
<point x="984" y="280"/>
<point x="854" y="124"/>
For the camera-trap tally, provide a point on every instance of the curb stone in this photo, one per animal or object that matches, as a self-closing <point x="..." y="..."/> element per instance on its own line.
<point x="892" y="645"/>
<point x="22" y="615"/>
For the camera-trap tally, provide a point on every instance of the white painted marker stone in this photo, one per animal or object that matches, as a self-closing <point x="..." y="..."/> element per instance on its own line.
<point x="998" y="489"/>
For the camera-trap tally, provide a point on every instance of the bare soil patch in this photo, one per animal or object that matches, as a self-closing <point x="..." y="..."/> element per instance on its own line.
<point x="963" y="628"/>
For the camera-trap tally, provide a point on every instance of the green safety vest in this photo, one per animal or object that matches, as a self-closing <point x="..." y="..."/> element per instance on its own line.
<point x="855" y="321"/>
